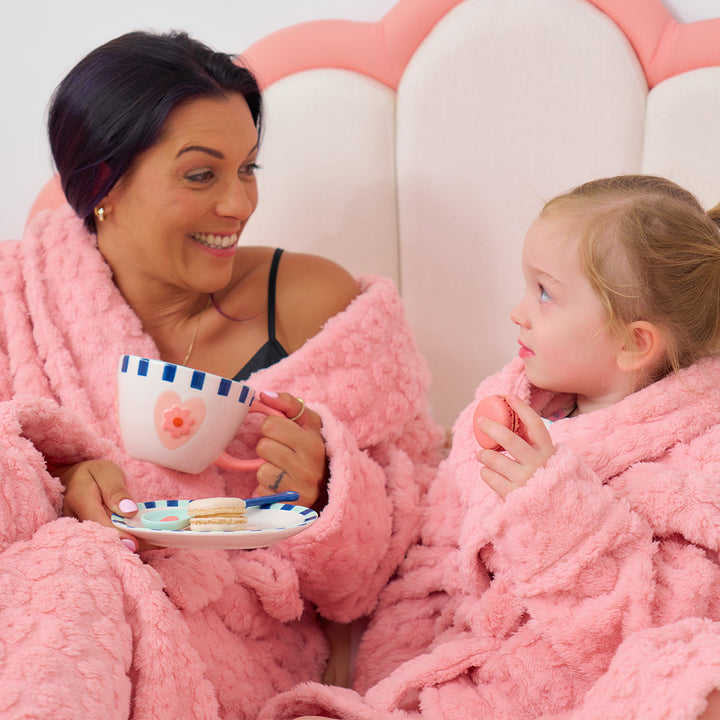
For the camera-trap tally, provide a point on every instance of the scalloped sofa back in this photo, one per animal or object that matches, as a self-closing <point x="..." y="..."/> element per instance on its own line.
<point x="422" y="146"/>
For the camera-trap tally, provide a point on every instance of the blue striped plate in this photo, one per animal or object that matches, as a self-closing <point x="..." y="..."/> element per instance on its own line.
<point x="267" y="525"/>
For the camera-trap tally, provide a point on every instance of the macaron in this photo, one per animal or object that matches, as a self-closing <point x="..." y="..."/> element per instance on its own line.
<point x="497" y="408"/>
<point x="218" y="514"/>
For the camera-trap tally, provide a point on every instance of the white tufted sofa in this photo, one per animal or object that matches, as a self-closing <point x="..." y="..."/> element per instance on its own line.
<point x="422" y="146"/>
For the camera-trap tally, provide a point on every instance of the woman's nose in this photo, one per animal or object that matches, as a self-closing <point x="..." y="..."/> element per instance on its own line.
<point x="239" y="200"/>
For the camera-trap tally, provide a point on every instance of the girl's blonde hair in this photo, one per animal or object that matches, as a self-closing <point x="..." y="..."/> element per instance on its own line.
<point x="651" y="253"/>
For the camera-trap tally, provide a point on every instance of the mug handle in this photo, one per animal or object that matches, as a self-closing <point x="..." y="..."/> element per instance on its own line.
<point x="232" y="463"/>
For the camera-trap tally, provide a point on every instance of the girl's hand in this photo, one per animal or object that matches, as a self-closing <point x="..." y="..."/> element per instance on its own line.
<point x="93" y="490"/>
<point x="502" y="473"/>
<point x="293" y="450"/>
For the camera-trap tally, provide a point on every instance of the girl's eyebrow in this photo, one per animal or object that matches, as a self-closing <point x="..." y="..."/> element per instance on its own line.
<point x="546" y="276"/>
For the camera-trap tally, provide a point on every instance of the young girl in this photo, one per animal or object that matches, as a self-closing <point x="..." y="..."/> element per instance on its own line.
<point x="541" y="563"/>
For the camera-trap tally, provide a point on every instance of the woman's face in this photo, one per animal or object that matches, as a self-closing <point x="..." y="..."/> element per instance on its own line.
<point x="175" y="217"/>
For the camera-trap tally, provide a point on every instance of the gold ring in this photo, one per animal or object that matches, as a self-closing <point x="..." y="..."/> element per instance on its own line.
<point x="302" y="409"/>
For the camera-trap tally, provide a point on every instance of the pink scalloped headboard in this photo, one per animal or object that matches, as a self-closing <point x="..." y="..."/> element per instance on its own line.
<point x="381" y="49"/>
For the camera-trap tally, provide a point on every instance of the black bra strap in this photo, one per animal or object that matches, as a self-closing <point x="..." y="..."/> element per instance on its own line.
<point x="272" y="281"/>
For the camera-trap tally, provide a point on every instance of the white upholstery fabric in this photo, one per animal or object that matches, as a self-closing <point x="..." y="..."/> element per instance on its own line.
<point x="327" y="183"/>
<point x="682" y="135"/>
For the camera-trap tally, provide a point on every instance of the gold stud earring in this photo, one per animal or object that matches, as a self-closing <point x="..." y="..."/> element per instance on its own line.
<point x="100" y="214"/>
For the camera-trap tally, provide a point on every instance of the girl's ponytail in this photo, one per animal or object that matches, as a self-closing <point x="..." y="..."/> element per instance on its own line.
<point x="714" y="214"/>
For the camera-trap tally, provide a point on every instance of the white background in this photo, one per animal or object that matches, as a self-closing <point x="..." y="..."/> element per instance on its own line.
<point x="41" y="40"/>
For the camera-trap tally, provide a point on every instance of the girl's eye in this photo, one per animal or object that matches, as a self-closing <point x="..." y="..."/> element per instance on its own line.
<point x="544" y="295"/>
<point x="249" y="169"/>
<point x="204" y="176"/>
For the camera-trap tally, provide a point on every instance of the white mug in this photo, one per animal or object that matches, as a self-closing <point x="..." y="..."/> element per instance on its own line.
<point x="182" y="418"/>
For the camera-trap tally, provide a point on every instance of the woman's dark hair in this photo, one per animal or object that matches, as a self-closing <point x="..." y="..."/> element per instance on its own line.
<point x="114" y="103"/>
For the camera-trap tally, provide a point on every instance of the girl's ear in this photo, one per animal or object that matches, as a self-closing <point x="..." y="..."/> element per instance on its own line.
<point x="643" y="348"/>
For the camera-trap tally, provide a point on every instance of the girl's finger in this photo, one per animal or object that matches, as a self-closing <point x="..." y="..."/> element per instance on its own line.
<point x="500" y="484"/>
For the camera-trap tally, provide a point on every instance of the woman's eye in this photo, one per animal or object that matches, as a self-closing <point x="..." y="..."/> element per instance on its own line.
<point x="249" y="169"/>
<point x="544" y="295"/>
<point x="204" y="176"/>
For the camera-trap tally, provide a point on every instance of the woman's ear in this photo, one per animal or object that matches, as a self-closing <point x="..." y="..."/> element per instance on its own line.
<point x="643" y="348"/>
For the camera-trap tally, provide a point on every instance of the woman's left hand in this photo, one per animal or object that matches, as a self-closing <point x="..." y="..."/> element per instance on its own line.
<point x="293" y="449"/>
<point x="507" y="472"/>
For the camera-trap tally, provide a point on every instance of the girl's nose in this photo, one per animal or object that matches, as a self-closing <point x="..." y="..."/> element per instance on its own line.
<point x="518" y="315"/>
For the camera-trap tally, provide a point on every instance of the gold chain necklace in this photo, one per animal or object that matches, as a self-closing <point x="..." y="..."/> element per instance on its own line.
<point x="195" y="332"/>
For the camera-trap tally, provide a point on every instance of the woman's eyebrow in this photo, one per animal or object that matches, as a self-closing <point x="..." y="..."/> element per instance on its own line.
<point x="201" y="148"/>
<point x="210" y="151"/>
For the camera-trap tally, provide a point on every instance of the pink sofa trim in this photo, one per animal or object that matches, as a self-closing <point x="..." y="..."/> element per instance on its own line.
<point x="381" y="50"/>
<point x="664" y="46"/>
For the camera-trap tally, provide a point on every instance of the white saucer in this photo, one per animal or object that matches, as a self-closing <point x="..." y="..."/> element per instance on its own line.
<point x="267" y="525"/>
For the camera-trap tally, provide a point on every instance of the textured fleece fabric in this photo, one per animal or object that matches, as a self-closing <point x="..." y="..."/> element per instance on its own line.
<point x="91" y="630"/>
<point x="549" y="602"/>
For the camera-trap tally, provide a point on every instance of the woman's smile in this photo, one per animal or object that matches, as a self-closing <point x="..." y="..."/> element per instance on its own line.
<point x="216" y="242"/>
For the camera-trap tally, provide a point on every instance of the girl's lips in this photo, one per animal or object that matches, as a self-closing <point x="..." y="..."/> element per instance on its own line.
<point x="525" y="352"/>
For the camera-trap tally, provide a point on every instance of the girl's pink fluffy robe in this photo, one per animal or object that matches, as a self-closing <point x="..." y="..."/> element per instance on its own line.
<point x="92" y="630"/>
<point x="548" y="603"/>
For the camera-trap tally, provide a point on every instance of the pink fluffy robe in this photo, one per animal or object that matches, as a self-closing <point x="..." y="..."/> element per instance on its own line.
<point x="591" y="592"/>
<point x="91" y="629"/>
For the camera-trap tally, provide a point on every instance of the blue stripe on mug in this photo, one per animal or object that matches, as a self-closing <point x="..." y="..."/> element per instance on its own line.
<point x="243" y="393"/>
<point x="169" y="373"/>
<point x="143" y="366"/>
<point x="198" y="380"/>
<point x="125" y="361"/>
<point x="224" y="387"/>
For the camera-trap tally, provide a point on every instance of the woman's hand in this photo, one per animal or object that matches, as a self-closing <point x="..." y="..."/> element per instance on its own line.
<point x="294" y="451"/>
<point x="502" y="473"/>
<point x="93" y="490"/>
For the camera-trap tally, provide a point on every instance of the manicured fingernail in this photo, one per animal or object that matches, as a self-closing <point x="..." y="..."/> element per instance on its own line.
<point x="129" y="544"/>
<point x="270" y="393"/>
<point x="127" y="506"/>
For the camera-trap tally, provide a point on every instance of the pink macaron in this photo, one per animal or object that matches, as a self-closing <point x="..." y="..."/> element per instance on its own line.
<point x="497" y="408"/>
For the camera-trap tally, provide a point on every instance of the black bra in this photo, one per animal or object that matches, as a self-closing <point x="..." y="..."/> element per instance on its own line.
<point x="272" y="351"/>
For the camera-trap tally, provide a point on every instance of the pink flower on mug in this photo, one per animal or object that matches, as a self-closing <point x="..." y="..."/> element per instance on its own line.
<point x="178" y="421"/>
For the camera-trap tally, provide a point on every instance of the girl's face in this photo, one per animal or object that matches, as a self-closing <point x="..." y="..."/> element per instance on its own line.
<point x="563" y="338"/>
<point x="176" y="216"/>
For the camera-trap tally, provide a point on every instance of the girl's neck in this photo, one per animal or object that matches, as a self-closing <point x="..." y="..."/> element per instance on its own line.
<point x="585" y="405"/>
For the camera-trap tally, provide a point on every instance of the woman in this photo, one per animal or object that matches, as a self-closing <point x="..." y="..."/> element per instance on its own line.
<point x="156" y="138"/>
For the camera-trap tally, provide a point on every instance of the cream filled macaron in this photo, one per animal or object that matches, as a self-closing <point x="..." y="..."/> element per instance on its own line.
<point x="218" y="514"/>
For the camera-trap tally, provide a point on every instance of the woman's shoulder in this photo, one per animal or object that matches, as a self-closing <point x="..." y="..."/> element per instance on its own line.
<point x="310" y="290"/>
<point x="302" y="271"/>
